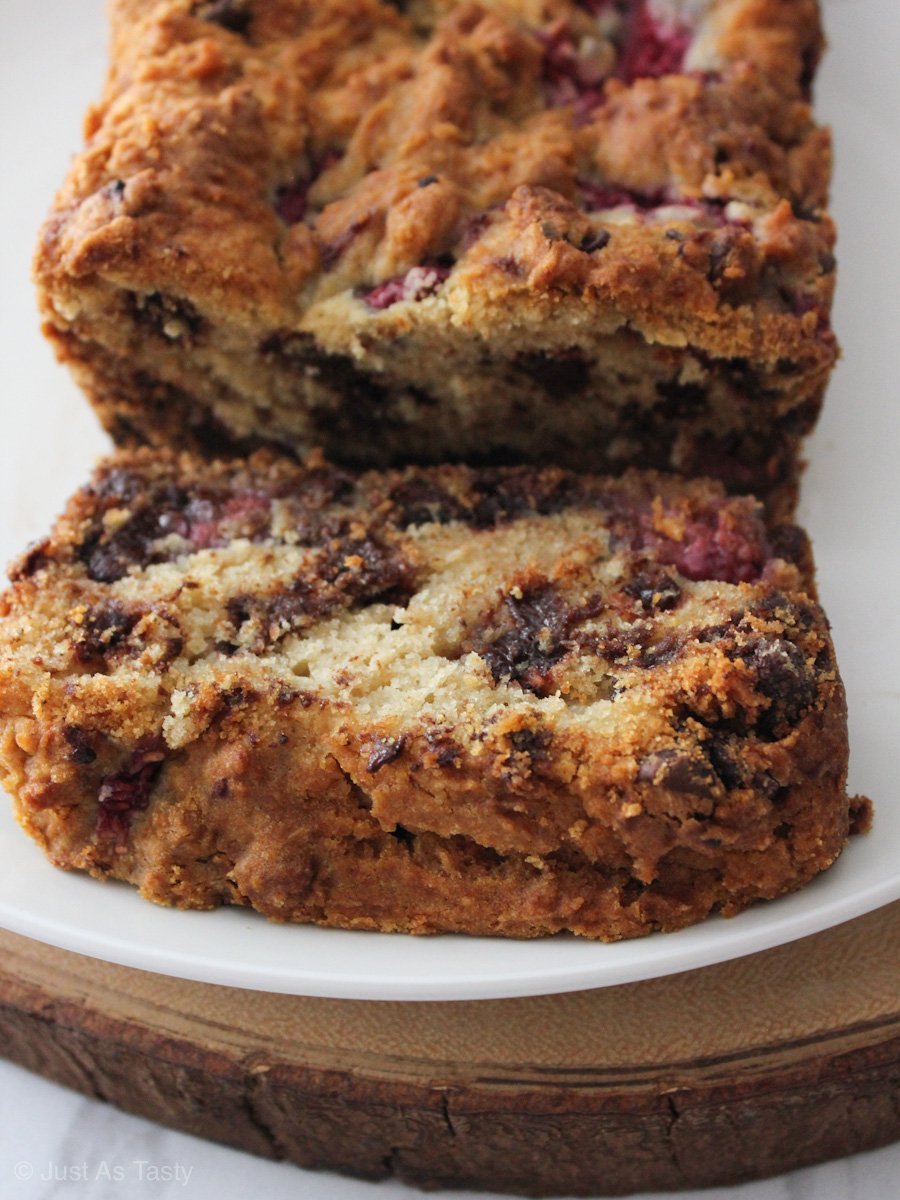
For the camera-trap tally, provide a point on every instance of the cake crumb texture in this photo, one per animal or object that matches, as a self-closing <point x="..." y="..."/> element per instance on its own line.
<point x="494" y="701"/>
<point x="588" y="233"/>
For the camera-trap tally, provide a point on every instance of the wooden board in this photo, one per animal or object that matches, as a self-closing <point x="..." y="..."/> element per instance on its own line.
<point x="724" y="1074"/>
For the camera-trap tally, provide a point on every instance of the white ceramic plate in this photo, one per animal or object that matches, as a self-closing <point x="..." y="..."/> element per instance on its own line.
<point x="53" y="59"/>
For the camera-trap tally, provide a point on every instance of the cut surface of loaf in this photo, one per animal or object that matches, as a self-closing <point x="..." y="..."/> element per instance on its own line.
<point x="508" y="231"/>
<point x="495" y="701"/>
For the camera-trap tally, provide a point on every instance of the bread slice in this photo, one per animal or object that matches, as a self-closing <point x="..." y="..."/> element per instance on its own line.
<point x="496" y="701"/>
<point x="588" y="233"/>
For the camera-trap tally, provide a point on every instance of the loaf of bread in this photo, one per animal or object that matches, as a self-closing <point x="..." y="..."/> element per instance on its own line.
<point x="590" y="233"/>
<point x="499" y="701"/>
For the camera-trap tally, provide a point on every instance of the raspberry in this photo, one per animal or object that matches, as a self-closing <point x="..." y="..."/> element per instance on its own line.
<point x="651" y="48"/>
<point x="416" y="284"/>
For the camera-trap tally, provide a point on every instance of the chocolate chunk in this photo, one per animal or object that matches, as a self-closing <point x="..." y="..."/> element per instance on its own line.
<point x="680" y="400"/>
<point x="236" y="696"/>
<point x="782" y="676"/>
<point x="34" y="559"/>
<point x="630" y="892"/>
<point x="792" y="544"/>
<point x="561" y="374"/>
<point x="678" y="771"/>
<point x="104" y="628"/>
<point x="82" y="752"/>
<point x="167" y="317"/>
<point x="719" y="251"/>
<point x="235" y="15"/>
<point x="445" y="750"/>
<point x="384" y="751"/>
<point x="419" y="501"/>
<point x="657" y="592"/>
<point x="728" y="762"/>
<point x="360" y="405"/>
<point x="347" y="572"/>
<point x="319" y="487"/>
<point x="745" y="378"/>
<point x="726" y="755"/>
<point x="203" y="518"/>
<point x="367" y="570"/>
<point x="526" y="653"/>
<point x="634" y="646"/>
<point x="275" y="616"/>
<point x="109" y="560"/>
<point x="809" y="62"/>
<point x="495" y="503"/>
<point x="827" y="262"/>
<point x="597" y="239"/>
<point x="500" y="496"/>
<point x="108" y="557"/>
<point x="659" y="653"/>
<point x="533" y="742"/>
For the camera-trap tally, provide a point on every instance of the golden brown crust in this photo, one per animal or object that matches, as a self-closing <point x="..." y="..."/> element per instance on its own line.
<point x="508" y="702"/>
<point x="310" y="222"/>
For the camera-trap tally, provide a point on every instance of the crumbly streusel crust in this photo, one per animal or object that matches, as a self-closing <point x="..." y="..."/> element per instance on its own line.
<point x="516" y="230"/>
<point x="494" y="701"/>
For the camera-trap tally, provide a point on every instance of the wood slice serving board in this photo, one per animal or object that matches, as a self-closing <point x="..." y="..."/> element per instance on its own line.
<point x="733" y="1072"/>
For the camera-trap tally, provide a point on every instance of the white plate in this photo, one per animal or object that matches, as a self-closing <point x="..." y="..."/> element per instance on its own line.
<point x="52" y="64"/>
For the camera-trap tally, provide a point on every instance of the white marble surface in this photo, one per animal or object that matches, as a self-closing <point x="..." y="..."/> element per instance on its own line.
<point x="55" y="1145"/>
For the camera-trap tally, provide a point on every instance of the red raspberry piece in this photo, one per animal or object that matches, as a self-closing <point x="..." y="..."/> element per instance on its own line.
<point x="415" y="284"/>
<point x="651" y="48"/>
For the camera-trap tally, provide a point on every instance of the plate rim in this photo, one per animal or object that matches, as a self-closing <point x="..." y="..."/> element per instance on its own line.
<point x="788" y="918"/>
